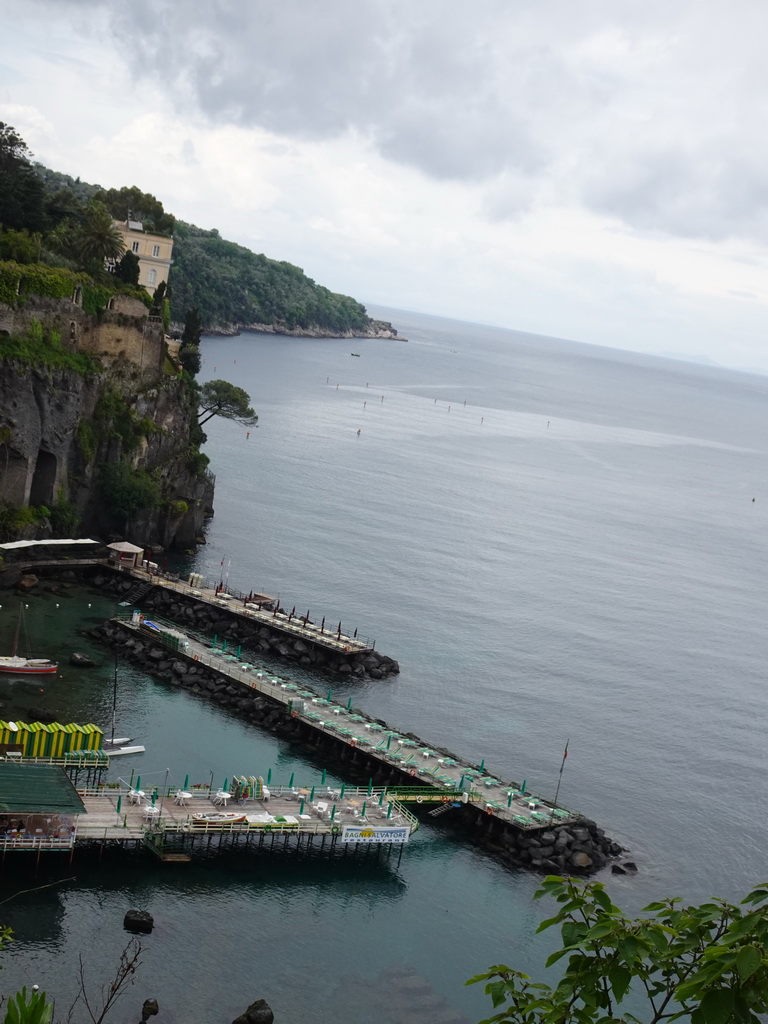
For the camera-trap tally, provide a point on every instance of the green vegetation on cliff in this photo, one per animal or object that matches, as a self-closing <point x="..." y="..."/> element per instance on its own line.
<point x="229" y="284"/>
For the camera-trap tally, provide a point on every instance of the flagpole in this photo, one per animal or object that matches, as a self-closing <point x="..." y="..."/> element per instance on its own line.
<point x="559" y="780"/>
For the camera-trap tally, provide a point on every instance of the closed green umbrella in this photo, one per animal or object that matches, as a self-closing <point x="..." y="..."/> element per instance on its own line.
<point x="301" y="806"/>
<point x="138" y="783"/>
<point x="224" y="787"/>
<point x="312" y="795"/>
<point x="290" y="783"/>
<point x="349" y="704"/>
<point x="329" y="694"/>
<point x="482" y="765"/>
<point x="365" y="804"/>
<point x="154" y="796"/>
<point x="522" y="788"/>
<point x="389" y="810"/>
<point x="186" y="782"/>
<point x="269" y="776"/>
<point x="509" y="801"/>
<point x="381" y="798"/>
<point x="324" y="776"/>
<point x="119" y="803"/>
<point x="224" y="644"/>
<point x="343" y="788"/>
<point x="333" y="812"/>
<point x="370" y="786"/>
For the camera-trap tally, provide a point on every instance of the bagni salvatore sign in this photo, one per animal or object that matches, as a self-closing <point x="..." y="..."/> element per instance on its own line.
<point x="374" y="834"/>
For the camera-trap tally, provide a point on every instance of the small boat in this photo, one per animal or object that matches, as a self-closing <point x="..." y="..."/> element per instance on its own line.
<point x="355" y="354"/>
<point x="16" y="665"/>
<point x="115" y="746"/>
<point x="220" y="818"/>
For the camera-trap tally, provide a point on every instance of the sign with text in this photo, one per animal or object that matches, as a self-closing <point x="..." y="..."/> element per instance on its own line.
<point x="375" y="834"/>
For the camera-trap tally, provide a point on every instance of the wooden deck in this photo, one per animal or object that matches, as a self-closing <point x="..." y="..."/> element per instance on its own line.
<point x="319" y="810"/>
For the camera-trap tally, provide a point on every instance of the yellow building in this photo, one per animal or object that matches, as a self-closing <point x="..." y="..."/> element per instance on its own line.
<point x="154" y="252"/>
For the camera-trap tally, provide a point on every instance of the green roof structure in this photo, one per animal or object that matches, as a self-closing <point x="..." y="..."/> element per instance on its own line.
<point x="37" y="789"/>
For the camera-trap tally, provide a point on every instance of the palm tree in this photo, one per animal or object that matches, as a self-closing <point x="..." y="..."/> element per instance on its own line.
<point x="98" y="237"/>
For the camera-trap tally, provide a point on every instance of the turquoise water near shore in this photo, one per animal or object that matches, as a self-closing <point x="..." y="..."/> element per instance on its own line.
<point x="572" y="554"/>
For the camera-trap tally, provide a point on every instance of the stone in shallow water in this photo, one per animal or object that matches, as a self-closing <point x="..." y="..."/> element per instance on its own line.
<point x="257" y="1013"/>
<point x="138" y="921"/>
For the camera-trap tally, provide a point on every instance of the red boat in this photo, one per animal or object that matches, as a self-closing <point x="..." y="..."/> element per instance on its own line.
<point x="14" y="664"/>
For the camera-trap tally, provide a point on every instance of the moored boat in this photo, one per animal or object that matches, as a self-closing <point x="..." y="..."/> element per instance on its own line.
<point x="220" y="818"/>
<point x="14" y="664"/>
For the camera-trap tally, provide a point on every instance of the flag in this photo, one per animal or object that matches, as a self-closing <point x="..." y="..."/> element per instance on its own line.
<point x="565" y="754"/>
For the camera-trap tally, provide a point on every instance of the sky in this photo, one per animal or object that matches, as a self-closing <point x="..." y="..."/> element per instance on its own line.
<point x="587" y="169"/>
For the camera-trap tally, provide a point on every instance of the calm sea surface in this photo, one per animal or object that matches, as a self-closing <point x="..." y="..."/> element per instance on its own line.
<point x="557" y="542"/>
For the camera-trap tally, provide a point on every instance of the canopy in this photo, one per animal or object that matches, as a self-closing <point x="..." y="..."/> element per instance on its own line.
<point x="37" y="789"/>
<point x="16" y="544"/>
<point x="125" y="548"/>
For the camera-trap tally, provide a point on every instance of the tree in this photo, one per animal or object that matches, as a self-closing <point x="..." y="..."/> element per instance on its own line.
<point x="128" y="268"/>
<point x="220" y="398"/>
<point x="98" y="237"/>
<point x="21" y="191"/>
<point x="133" y="204"/>
<point x="193" y="328"/>
<point x="189" y="350"/>
<point x="708" y="963"/>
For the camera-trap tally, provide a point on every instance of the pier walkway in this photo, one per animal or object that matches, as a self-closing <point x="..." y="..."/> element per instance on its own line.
<point x="251" y="607"/>
<point x="437" y="777"/>
<point x="171" y="825"/>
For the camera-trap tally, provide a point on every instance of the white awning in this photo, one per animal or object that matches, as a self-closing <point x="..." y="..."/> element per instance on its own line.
<point x="125" y="548"/>
<point x="14" y="545"/>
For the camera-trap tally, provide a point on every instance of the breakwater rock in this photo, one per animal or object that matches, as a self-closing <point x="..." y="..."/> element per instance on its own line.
<point x="578" y="847"/>
<point x="261" y="640"/>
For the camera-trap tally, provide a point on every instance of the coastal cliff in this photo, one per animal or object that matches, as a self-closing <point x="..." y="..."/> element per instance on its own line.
<point x="95" y="435"/>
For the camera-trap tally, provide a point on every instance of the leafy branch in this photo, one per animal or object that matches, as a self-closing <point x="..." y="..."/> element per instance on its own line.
<point x="707" y="963"/>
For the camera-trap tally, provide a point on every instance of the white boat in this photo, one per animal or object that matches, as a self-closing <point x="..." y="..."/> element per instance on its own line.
<point x="115" y="746"/>
<point x="220" y="818"/>
<point x="18" y="666"/>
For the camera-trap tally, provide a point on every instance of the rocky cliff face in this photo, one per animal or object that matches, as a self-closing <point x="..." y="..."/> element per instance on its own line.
<point x="59" y="430"/>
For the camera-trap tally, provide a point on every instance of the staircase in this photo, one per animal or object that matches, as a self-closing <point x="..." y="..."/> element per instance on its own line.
<point x="437" y="811"/>
<point x="140" y="590"/>
<point x="170" y="849"/>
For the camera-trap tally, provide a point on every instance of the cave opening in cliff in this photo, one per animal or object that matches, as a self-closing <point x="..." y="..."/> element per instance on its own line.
<point x="44" y="479"/>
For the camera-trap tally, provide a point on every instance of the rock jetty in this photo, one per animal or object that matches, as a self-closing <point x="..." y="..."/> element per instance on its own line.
<point x="576" y="848"/>
<point x="256" y="638"/>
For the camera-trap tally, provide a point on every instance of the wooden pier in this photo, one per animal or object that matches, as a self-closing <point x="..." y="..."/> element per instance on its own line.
<point x="428" y="776"/>
<point x="178" y="823"/>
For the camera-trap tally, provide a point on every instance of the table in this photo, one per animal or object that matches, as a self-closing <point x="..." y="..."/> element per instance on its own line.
<point x="221" y="798"/>
<point x="136" y="796"/>
<point x="150" y="813"/>
<point x="182" y="797"/>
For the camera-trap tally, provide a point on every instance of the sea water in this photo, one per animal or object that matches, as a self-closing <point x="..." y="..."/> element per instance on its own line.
<point x="559" y="543"/>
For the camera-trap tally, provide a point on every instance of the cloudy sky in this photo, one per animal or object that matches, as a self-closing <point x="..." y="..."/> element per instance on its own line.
<point x="590" y="169"/>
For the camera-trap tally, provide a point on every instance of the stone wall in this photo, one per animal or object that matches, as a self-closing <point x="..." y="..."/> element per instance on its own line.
<point x="121" y="333"/>
<point x="261" y="640"/>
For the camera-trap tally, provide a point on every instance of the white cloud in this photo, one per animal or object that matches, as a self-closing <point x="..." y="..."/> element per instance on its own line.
<point x="592" y="170"/>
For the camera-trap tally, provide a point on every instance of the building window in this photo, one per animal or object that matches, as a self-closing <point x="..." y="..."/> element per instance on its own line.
<point x="151" y="277"/>
<point x="155" y="250"/>
<point x="134" y="246"/>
